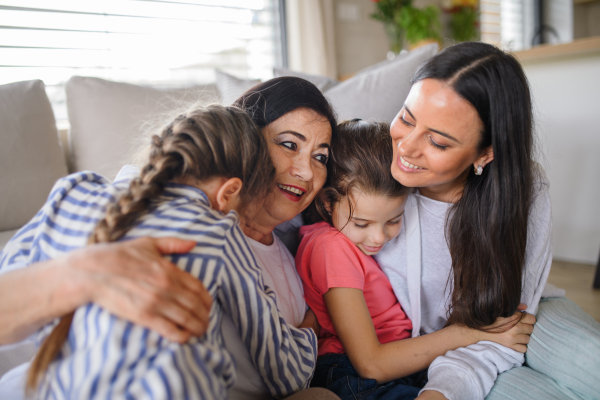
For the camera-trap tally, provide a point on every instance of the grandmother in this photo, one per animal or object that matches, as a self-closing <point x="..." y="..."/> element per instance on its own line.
<point x="133" y="281"/>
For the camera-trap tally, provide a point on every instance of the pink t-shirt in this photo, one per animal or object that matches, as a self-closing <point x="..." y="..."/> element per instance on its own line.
<point x="327" y="259"/>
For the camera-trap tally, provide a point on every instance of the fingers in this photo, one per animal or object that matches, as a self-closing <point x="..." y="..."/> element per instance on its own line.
<point x="523" y="339"/>
<point x="522" y="307"/>
<point x="528" y="319"/>
<point x="526" y="329"/>
<point x="165" y="328"/>
<point x="521" y="348"/>
<point x="134" y="281"/>
<point x="170" y="245"/>
<point x="195" y="286"/>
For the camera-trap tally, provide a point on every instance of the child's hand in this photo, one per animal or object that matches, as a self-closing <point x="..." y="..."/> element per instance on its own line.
<point x="311" y="321"/>
<point x="513" y="332"/>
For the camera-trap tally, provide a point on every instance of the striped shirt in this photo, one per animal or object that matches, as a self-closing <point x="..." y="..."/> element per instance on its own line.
<point x="106" y="357"/>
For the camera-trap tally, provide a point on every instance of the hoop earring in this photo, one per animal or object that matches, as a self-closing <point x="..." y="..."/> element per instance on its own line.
<point x="478" y="170"/>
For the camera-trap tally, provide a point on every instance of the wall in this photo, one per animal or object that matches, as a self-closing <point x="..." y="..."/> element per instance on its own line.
<point x="586" y="19"/>
<point x="566" y="94"/>
<point x="360" y="40"/>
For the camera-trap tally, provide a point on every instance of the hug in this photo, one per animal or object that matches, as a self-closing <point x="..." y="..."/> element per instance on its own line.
<point x="424" y="254"/>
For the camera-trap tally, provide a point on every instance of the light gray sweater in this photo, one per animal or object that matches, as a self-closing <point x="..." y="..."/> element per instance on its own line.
<point x="418" y="264"/>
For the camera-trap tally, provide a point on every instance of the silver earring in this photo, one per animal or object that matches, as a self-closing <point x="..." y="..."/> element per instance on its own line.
<point x="479" y="170"/>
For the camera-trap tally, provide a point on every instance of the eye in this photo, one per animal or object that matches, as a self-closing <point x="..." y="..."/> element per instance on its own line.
<point x="404" y="121"/>
<point x="289" y="145"/>
<point x="396" y="222"/>
<point x="322" y="158"/>
<point x="438" y="146"/>
<point x="361" y="226"/>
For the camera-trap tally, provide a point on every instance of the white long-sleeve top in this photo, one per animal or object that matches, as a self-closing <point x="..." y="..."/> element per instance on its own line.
<point x="419" y="266"/>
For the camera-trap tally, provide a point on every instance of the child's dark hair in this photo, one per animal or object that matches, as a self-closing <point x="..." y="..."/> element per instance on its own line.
<point x="361" y="159"/>
<point x="205" y="142"/>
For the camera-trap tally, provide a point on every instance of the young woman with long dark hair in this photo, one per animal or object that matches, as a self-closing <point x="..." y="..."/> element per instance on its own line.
<point x="476" y="235"/>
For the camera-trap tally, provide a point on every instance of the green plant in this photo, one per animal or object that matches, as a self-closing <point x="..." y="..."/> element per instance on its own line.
<point x="420" y="24"/>
<point x="388" y="12"/>
<point x="464" y="23"/>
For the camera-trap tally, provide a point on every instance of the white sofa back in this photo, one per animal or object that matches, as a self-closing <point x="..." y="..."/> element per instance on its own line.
<point x="31" y="159"/>
<point x="110" y="121"/>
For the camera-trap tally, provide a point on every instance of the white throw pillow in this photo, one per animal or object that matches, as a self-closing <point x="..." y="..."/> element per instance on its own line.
<point x="110" y="120"/>
<point x="231" y="87"/>
<point x="378" y="93"/>
<point x="324" y="83"/>
<point x="31" y="159"/>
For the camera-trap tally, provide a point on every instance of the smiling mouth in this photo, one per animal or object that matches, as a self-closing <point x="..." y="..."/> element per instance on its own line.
<point x="407" y="164"/>
<point x="372" y="249"/>
<point x="291" y="190"/>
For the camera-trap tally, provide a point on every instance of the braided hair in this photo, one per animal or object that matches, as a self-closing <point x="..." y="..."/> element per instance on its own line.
<point x="205" y="142"/>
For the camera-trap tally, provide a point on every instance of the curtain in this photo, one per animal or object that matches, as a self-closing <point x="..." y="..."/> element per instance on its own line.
<point x="311" y="37"/>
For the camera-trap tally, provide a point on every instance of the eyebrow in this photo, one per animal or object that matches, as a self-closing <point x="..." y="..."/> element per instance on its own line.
<point x="303" y="138"/>
<point x="368" y="220"/>
<point x="433" y="130"/>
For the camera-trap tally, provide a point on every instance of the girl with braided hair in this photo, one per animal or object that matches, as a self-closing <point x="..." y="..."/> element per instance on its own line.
<point x="208" y="171"/>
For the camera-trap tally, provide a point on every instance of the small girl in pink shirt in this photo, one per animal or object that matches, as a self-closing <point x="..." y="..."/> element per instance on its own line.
<point x="361" y="351"/>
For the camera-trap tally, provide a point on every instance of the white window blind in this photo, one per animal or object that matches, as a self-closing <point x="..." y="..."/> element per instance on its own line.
<point x="502" y="23"/>
<point x="154" y="42"/>
<point x="511" y="24"/>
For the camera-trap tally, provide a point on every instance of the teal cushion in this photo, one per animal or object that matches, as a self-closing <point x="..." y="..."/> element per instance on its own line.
<point x="524" y="383"/>
<point x="562" y="359"/>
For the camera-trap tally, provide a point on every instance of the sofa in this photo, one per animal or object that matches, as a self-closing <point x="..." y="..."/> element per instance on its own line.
<point x="111" y="121"/>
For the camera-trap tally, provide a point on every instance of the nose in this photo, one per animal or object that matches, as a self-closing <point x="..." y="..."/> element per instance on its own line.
<point x="378" y="237"/>
<point x="404" y="137"/>
<point x="302" y="167"/>
<point x="408" y="145"/>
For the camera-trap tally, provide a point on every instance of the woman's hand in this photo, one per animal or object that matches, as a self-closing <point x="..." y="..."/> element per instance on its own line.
<point x="130" y="279"/>
<point x="133" y="280"/>
<point x="512" y="332"/>
<point x="311" y="321"/>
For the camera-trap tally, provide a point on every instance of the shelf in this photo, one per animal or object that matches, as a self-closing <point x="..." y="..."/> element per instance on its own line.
<point x="583" y="46"/>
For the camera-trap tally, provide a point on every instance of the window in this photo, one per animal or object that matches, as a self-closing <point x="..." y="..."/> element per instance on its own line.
<point x="152" y="42"/>
<point x="520" y="24"/>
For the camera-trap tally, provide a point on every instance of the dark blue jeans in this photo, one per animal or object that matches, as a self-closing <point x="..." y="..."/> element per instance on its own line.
<point x="336" y="373"/>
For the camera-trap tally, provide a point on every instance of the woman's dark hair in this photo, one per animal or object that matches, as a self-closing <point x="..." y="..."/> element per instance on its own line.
<point x="205" y="142"/>
<point x="361" y="160"/>
<point x="487" y="227"/>
<point x="268" y="101"/>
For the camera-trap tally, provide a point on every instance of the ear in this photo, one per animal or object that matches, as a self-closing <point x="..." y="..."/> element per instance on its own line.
<point x="485" y="158"/>
<point x="228" y="195"/>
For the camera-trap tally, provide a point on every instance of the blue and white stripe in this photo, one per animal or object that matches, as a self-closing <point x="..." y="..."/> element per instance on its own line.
<point x="109" y="358"/>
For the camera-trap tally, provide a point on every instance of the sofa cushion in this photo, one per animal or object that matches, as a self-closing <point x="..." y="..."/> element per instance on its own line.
<point x="379" y="93"/>
<point x="5" y="236"/>
<point x="324" y="83"/>
<point x="31" y="159"/>
<point x="110" y="121"/>
<point x="231" y="87"/>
